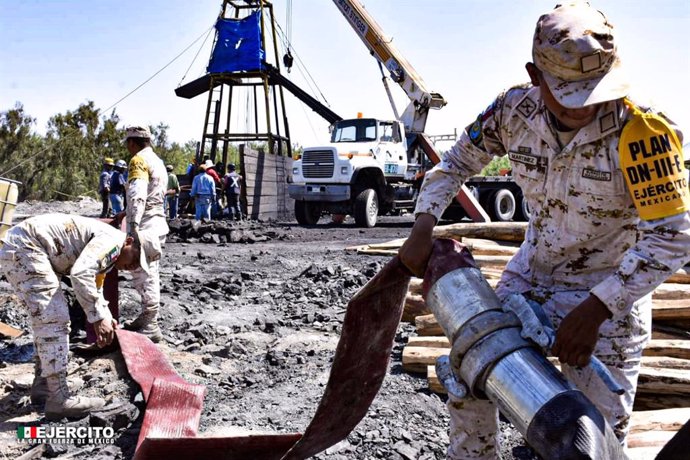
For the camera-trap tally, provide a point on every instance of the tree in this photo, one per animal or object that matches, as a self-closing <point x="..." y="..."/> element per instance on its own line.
<point x="19" y="147"/>
<point x="66" y="162"/>
<point x="497" y="164"/>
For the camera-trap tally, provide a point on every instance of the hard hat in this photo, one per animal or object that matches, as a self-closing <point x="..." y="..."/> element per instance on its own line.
<point x="231" y="166"/>
<point x="120" y="164"/>
<point x="208" y="164"/>
<point x="169" y="167"/>
<point x="108" y="161"/>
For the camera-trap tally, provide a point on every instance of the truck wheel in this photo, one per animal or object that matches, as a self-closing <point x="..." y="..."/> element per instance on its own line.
<point x="366" y="208"/>
<point x="524" y="212"/>
<point x="503" y="206"/>
<point x="307" y="212"/>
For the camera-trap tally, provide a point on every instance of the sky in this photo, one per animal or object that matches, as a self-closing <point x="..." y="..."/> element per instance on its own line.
<point x="58" y="54"/>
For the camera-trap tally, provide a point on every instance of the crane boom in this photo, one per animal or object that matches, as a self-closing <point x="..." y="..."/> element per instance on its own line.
<point x="401" y="71"/>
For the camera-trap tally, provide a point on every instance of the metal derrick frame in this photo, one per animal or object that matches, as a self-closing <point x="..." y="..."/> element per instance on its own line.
<point x="259" y="78"/>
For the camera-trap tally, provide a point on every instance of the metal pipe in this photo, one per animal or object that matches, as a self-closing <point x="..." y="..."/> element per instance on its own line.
<point x="491" y="357"/>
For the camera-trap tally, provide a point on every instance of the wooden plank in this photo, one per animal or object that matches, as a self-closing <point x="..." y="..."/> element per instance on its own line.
<point x="666" y="336"/>
<point x="665" y="362"/>
<point x="432" y="341"/>
<point x="8" y="331"/>
<point x="659" y="420"/>
<point x="427" y="325"/>
<point x="503" y="231"/>
<point x="668" y="348"/>
<point x="660" y="381"/>
<point x="415" y="286"/>
<point x="498" y="262"/>
<point x="672" y="291"/>
<point x="433" y="381"/>
<point x="650" y="401"/>
<point x="647" y="439"/>
<point x="414" y="306"/>
<point x="416" y="359"/>
<point x="670" y="309"/>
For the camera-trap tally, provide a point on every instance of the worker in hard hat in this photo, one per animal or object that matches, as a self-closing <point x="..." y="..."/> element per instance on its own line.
<point x="607" y="225"/>
<point x="147" y="181"/>
<point x="104" y="186"/>
<point x="35" y="254"/>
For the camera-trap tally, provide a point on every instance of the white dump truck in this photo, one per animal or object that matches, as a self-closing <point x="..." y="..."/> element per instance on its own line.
<point x="371" y="166"/>
<point x="364" y="171"/>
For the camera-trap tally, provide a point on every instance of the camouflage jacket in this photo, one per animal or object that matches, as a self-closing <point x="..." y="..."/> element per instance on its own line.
<point x="147" y="180"/>
<point x="585" y="232"/>
<point x="80" y="247"/>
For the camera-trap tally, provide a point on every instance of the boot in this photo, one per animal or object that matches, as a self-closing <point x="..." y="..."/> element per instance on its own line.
<point x="140" y="321"/>
<point x="60" y="404"/>
<point x="152" y="331"/>
<point x="146" y="324"/>
<point x="39" y="387"/>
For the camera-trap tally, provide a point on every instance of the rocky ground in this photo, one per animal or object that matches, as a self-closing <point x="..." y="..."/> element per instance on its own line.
<point x="253" y="311"/>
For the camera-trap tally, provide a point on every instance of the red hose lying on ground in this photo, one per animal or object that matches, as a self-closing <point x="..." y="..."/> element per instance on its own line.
<point x="174" y="405"/>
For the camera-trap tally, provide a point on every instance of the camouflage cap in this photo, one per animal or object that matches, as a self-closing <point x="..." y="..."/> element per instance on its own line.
<point x="142" y="132"/>
<point x="574" y="48"/>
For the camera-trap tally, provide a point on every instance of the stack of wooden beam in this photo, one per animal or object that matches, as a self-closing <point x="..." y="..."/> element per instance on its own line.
<point x="662" y="403"/>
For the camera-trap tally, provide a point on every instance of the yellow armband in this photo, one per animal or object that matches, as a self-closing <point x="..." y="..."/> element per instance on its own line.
<point x="138" y="169"/>
<point x="651" y="158"/>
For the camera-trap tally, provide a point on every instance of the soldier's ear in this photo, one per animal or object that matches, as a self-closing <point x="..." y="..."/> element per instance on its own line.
<point x="534" y="73"/>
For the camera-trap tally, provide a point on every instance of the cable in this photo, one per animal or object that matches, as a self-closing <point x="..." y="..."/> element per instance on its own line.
<point x="159" y="71"/>
<point x="299" y="61"/>
<point x="4" y="173"/>
<point x="195" y="56"/>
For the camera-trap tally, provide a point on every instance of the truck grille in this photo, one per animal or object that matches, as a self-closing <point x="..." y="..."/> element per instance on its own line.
<point x="318" y="164"/>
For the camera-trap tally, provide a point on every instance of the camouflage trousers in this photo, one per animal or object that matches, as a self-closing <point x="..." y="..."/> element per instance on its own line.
<point x="148" y="285"/>
<point x="31" y="275"/>
<point x="474" y="422"/>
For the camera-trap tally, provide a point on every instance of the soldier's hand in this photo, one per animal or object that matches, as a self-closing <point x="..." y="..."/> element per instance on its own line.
<point x="104" y="332"/>
<point x="578" y="333"/>
<point x="416" y="250"/>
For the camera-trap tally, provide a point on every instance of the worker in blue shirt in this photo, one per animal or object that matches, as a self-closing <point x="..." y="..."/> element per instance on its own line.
<point x="204" y="194"/>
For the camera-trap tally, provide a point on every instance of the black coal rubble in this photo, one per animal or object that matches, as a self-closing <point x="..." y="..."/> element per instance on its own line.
<point x="225" y="231"/>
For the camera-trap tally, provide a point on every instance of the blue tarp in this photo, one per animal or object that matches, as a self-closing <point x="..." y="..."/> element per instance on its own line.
<point x="238" y="46"/>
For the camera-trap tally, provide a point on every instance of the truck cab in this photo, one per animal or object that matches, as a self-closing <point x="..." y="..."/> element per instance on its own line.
<point x="364" y="171"/>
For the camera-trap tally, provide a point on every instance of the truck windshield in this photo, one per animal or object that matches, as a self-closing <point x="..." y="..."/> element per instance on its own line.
<point x="358" y="130"/>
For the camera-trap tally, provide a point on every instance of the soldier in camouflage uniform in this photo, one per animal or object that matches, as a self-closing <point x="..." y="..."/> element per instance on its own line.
<point x="34" y="256"/>
<point x="147" y="180"/>
<point x="607" y="225"/>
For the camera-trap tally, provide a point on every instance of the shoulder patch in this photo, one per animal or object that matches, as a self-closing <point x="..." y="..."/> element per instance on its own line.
<point x="475" y="132"/>
<point x="108" y="258"/>
<point x="138" y="169"/>
<point x="526" y="107"/>
<point x="651" y="158"/>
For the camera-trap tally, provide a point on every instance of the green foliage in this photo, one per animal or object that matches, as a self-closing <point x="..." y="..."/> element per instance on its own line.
<point x="172" y="153"/>
<point x="67" y="160"/>
<point x="18" y="147"/>
<point x="494" y="168"/>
